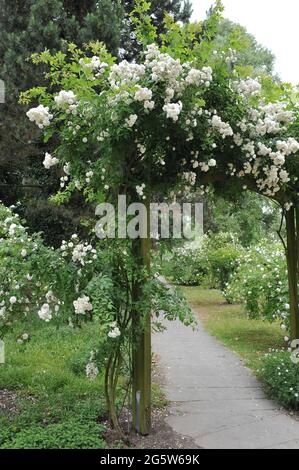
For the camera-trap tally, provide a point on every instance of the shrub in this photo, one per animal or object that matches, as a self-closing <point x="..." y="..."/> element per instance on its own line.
<point x="281" y="377"/>
<point x="222" y="264"/>
<point x="214" y="241"/>
<point x="187" y="267"/>
<point x="261" y="283"/>
<point x="210" y="262"/>
<point x="38" y="281"/>
<point x="28" y="269"/>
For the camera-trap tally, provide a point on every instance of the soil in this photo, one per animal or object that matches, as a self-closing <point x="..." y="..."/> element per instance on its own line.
<point x="8" y="401"/>
<point x="162" y="435"/>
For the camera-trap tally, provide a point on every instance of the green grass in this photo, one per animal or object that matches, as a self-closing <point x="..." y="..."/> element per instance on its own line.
<point x="159" y="401"/>
<point x="57" y="405"/>
<point x="251" y="339"/>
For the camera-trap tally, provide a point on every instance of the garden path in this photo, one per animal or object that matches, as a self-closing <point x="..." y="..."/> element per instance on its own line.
<point x="214" y="398"/>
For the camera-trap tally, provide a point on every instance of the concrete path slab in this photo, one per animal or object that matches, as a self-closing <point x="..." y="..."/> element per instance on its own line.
<point x="215" y="400"/>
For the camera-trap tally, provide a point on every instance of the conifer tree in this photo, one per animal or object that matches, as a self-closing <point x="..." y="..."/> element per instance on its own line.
<point x="180" y="9"/>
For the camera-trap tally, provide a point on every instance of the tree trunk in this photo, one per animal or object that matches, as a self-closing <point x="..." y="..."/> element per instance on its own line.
<point x="141" y="356"/>
<point x="292" y="225"/>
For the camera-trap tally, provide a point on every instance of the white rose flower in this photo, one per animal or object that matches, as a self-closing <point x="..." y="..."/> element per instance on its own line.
<point x="114" y="333"/>
<point x="40" y="115"/>
<point x="131" y="120"/>
<point x="45" y="313"/>
<point x="82" y="305"/>
<point x="65" y="98"/>
<point x="50" y="161"/>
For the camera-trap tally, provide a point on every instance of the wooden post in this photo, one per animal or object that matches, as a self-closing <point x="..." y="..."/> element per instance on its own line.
<point x="141" y="356"/>
<point x="292" y="227"/>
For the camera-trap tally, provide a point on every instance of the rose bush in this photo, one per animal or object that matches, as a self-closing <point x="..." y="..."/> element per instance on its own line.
<point x="211" y="261"/>
<point x="261" y="283"/>
<point x="37" y="280"/>
<point x="281" y="378"/>
<point x="186" y="266"/>
<point x="77" y="283"/>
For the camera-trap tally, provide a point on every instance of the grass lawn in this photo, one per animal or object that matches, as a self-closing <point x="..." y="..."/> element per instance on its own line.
<point x="249" y="338"/>
<point x="54" y="404"/>
<point x="46" y="401"/>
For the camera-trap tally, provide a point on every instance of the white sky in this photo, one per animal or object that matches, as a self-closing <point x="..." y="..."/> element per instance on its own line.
<point x="274" y="23"/>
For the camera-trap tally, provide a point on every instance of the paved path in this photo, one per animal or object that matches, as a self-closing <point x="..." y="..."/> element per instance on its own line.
<point x="215" y="400"/>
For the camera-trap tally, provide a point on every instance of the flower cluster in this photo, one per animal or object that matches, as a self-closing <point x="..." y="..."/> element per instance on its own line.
<point x="40" y="116"/>
<point x="95" y="64"/>
<point x="50" y="161"/>
<point x="131" y="120"/>
<point x="82" y="305"/>
<point x="200" y="77"/>
<point x="248" y="87"/>
<point x="67" y="101"/>
<point x="125" y="73"/>
<point x="81" y="253"/>
<point x="45" y="313"/>
<point x="114" y="332"/>
<point x="223" y="128"/>
<point x="173" y="110"/>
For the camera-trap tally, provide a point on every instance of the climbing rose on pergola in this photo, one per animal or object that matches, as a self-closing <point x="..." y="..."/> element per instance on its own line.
<point x="178" y="119"/>
<point x="163" y="124"/>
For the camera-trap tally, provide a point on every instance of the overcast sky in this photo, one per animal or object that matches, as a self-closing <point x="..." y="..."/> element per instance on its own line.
<point x="274" y="23"/>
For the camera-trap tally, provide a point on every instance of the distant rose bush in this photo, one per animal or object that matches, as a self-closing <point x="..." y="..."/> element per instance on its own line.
<point x="261" y="283"/>
<point x="281" y="378"/>
<point x="209" y="262"/>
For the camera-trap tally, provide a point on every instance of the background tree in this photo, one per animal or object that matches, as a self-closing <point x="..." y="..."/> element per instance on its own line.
<point x="251" y="55"/>
<point x="251" y="217"/>
<point x="180" y="9"/>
